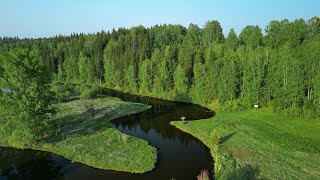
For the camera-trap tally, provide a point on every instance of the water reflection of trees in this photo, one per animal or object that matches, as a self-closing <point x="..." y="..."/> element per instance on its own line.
<point x="28" y="164"/>
<point x="163" y="129"/>
<point x="158" y="117"/>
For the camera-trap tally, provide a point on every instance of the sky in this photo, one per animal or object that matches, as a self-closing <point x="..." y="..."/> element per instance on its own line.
<point x="46" y="18"/>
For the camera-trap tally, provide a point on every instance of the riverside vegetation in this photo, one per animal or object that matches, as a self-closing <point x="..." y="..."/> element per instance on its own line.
<point x="277" y="70"/>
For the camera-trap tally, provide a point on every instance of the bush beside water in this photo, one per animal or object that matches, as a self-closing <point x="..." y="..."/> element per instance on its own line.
<point x="66" y="91"/>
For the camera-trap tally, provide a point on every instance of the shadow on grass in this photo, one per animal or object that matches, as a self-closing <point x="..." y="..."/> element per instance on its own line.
<point x="230" y="168"/>
<point x="247" y="172"/>
<point x="88" y="122"/>
<point x="74" y="98"/>
<point x="226" y="138"/>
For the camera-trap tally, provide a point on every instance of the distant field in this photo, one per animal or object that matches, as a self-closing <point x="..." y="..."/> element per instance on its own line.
<point x="273" y="146"/>
<point x="81" y="132"/>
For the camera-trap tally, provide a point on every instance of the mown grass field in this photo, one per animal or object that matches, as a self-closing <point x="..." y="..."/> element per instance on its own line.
<point x="273" y="146"/>
<point x="80" y="132"/>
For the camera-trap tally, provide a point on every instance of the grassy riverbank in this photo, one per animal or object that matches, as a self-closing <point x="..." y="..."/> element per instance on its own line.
<point x="80" y="131"/>
<point x="260" y="144"/>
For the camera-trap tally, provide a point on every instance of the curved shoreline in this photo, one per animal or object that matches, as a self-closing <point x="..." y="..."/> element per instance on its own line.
<point x="157" y="119"/>
<point x="68" y="146"/>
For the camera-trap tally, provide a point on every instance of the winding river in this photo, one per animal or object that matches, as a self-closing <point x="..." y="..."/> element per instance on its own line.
<point x="180" y="155"/>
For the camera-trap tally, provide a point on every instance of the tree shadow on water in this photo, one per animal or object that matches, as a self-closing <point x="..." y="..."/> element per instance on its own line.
<point x="182" y="97"/>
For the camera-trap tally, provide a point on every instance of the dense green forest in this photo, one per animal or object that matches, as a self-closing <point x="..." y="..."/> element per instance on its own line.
<point x="278" y="68"/>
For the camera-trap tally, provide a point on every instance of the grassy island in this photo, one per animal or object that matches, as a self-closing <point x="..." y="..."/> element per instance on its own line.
<point x="80" y="132"/>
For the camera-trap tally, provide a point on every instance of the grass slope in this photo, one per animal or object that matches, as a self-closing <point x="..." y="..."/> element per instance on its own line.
<point x="81" y="132"/>
<point x="274" y="146"/>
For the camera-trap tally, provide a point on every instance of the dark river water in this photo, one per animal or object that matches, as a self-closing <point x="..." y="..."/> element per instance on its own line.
<point x="180" y="156"/>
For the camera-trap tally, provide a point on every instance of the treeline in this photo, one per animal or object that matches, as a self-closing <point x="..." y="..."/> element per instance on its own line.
<point x="278" y="68"/>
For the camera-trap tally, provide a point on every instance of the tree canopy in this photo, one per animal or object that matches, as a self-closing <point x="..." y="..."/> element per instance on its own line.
<point x="25" y="104"/>
<point x="278" y="68"/>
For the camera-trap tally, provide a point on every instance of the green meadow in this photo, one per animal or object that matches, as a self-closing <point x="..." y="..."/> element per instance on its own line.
<point x="260" y="144"/>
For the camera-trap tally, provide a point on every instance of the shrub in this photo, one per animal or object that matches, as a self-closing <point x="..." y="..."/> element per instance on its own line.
<point x="109" y="141"/>
<point x="124" y="138"/>
<point x="22" y="137"/>
<point x="91" y="93"/>
<point x="69" y="87"/>
<point x="67" y="94"/>
<point x="57" y="87"/>
<point x="214" y="138"/>
<point x="90" y="109"/>
<point x="226" y="105"/>
<point x="96" y="88"/>
<point x="88" y="94"/>
<point x="63" y="96"/>
<point x="236" y="105"/>
<point x="63" y="91"/>
<point x="84" y="87"/>
<point x="224" y="165"/>
<point x="204" y="175"/>
<point x="76" y="90"/>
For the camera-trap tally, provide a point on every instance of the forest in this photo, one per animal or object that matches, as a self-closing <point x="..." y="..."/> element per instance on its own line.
<point x="278" y="68"/>
<point x="48" y="90"/>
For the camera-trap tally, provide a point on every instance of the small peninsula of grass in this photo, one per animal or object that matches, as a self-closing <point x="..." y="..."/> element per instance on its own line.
<point x="262" y="144"/>
<point x="80" y="132"/>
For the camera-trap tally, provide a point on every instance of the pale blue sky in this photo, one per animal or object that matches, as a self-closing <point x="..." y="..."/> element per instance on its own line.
<point x="43" y="18"/>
